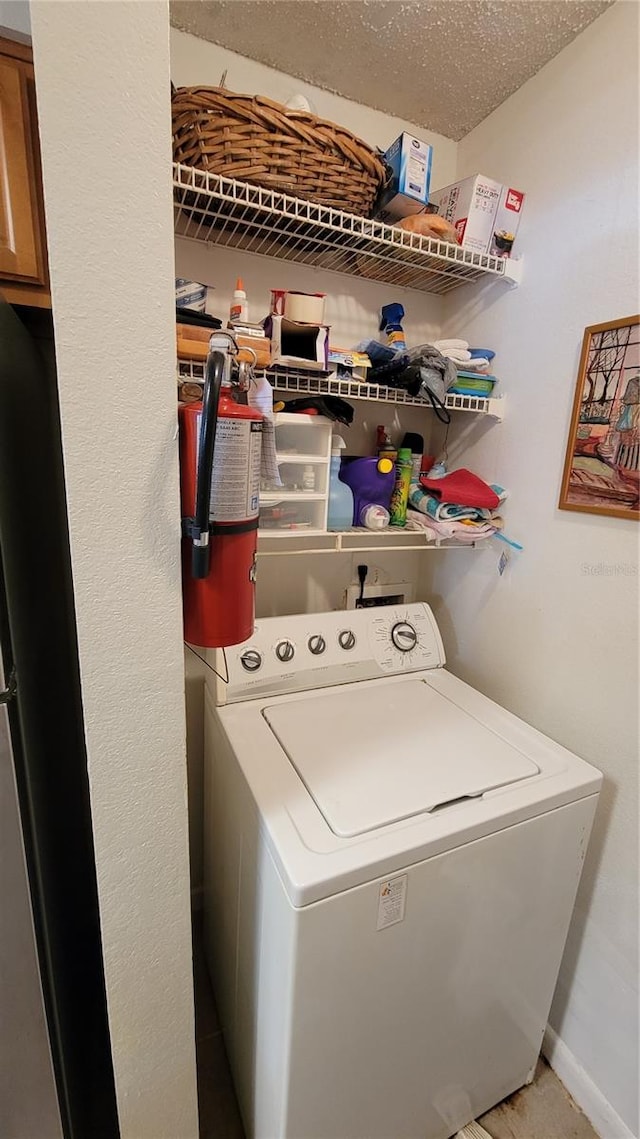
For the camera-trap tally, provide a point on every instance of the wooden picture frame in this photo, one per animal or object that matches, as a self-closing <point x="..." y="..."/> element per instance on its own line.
<point x="601" y="468"/>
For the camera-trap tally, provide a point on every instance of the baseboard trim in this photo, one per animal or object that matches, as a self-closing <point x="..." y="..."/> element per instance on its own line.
<point x="581" y="1087"/>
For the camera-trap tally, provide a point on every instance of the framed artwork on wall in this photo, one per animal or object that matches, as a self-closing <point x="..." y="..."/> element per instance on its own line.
<point x="602" y="464"/>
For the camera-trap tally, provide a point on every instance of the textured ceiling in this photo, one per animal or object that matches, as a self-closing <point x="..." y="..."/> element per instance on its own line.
<point x="443" y="65"/>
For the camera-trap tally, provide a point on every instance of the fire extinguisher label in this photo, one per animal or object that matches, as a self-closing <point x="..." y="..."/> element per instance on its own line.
<point x="235" y="485"/>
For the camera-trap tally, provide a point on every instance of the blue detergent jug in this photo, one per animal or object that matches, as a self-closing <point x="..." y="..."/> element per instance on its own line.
<point x="340" y="495"/>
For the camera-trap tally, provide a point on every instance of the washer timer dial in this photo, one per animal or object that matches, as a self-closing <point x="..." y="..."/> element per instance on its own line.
<point x="284" y="651"/>
<point x="251" y="660"/>
<point x="404" y="637"/>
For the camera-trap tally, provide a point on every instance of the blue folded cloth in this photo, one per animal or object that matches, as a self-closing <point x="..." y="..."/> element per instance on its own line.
<point x="479" y="353"/>
<point x="447" y="511"/>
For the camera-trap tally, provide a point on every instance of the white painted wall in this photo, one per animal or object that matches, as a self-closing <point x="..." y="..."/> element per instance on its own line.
<point x="352" y="304"/>
<point x="556" y="639"/>
<point x="196" y="62"/>
<point x="102" y="74"/>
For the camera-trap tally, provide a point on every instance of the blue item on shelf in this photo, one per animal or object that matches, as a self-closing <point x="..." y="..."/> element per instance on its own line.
<point x="471" y="383"/>
<point x="462" y="373"/>
<point x="459" y="389"/>
<point x="438" y="471"/>
<point x="391" y="317"/>
<point x="481" y="353"/>
<point x="378" y="353"/>
<point x="340" y="516"/>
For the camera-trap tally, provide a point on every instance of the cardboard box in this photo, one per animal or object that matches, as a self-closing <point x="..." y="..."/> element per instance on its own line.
<point x="346" y="359"/>
<point x="471" y="206"/>
<point x="297" y="345"/>
<point x="507" y="220"/>
<point x="194" y="296"/>
<point x="193" y="344"/>
<point x="408" y="190"/>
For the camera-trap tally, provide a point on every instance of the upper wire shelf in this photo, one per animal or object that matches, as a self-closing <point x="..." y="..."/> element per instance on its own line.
<point x="307" y="383"/>
<point x="224" y="211"/>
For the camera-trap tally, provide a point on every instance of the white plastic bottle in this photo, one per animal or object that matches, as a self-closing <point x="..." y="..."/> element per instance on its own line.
<point x="239" y="309"/>
<point x="309" y="477"/>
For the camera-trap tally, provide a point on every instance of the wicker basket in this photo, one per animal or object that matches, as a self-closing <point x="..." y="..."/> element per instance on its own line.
<point x="255" y="140"/>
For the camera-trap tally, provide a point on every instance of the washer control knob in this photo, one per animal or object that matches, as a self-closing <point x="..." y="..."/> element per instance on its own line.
<point x="404" y="636"/>
<point x="317" y="645"/>
<point x="251" y="660"/>
<point x="346" y="639"/>
<point x="285" y="651"/>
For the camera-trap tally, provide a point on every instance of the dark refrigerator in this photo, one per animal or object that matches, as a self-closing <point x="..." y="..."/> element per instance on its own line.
<point x="55" y="1065"/>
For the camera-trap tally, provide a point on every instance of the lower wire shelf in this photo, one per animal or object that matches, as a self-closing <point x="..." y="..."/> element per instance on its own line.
<point x="297" y="382"/>
<point x="272" y="543"/>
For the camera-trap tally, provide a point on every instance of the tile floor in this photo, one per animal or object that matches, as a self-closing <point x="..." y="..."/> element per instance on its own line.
<point x="544" y="1110"/>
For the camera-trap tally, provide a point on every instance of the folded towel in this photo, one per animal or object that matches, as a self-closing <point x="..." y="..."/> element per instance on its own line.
<point x="462" y="488"/>
<point x="446" y="511"/>
<point x="444" y="345"/>
<point x="474" y="365"/>
<point x="464" y="532"/>
<point x="458" y="355"/>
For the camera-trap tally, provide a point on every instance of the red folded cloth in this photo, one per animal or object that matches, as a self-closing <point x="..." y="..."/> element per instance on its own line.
<point x="462" y="488"/>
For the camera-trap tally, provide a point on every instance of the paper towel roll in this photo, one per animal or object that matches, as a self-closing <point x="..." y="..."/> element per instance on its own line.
<point x="308" y="308"/>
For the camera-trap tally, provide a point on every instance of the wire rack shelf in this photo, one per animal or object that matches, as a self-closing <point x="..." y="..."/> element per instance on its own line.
<point x="272" y="543"/>
<point x="224" y="211"/>
<point x="306" y="383"/>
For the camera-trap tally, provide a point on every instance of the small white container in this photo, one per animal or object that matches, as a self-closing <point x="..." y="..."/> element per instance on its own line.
<point x="303" y="450"/>
<point x="374" y="517"/>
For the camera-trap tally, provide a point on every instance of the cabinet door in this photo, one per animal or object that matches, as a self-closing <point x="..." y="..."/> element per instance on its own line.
<point x="20" y="245"/>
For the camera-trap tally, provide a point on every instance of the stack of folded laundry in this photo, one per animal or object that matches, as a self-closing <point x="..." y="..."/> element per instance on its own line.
<point x="472" y="365"/>
<point x="458" y="505"/>
<point x="469" y="359"/>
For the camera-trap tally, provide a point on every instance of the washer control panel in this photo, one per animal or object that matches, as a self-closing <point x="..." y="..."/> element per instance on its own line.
<point x="409" y="642"/>
<point x="293" y="654"/>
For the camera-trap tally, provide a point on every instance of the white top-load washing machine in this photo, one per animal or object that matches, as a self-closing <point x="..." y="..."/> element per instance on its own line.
<point x="391" y="862"/>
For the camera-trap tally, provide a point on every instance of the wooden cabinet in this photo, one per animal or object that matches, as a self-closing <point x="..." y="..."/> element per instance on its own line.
<point x="23" y="263"/>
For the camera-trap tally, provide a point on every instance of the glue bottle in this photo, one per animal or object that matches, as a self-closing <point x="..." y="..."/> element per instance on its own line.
<point x="239" y="309"/>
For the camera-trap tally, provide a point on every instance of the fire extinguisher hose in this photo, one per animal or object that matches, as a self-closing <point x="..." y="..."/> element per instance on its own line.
<point x="214" y="374"/>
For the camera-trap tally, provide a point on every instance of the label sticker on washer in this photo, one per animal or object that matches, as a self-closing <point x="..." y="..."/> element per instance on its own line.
<point x="392" y="898"/>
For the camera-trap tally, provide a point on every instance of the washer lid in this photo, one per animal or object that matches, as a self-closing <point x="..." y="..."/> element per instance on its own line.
<point x="374" y="755"/>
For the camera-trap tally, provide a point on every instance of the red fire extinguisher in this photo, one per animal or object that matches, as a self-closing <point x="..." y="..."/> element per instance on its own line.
<point x="220" y="443"/>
